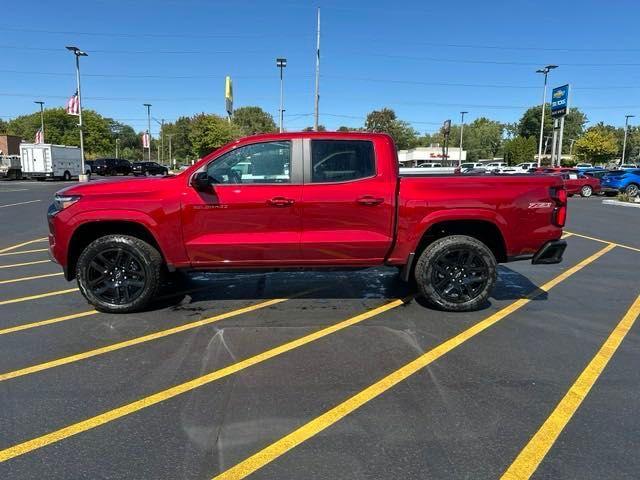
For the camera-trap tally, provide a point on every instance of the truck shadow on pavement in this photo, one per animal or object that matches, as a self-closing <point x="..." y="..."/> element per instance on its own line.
<point x="193" y="290"/>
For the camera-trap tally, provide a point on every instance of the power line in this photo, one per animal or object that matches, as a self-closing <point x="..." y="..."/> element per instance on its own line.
<point x="122" y="75"/>
<point x="140" y="52"/>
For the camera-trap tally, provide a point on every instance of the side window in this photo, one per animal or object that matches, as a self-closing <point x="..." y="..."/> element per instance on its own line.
<point x="268" y="162"/>
<point x="341" y="160"/>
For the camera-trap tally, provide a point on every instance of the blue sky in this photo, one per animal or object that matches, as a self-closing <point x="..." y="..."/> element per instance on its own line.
<point x="426" y="60"/>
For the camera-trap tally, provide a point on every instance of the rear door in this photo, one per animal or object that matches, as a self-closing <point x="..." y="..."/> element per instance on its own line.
<point x="347" y="203"/>
<point x="251" y="217"/>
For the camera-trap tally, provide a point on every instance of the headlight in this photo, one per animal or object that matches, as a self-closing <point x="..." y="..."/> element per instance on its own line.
<point x="60" y="202"/>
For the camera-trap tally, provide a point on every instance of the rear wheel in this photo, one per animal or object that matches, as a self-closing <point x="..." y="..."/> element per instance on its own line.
<point x="586" y="191"/>
<point x="119" y="273"/>
<point x="456" y="273"/>
<point x="632" y="190"/>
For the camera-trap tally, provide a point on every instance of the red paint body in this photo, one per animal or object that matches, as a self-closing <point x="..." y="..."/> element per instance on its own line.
<point x="365" y="222"/>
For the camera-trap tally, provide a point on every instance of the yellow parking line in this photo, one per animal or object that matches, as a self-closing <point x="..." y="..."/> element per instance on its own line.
<point x="34" y="277"/>
<point x="24" y="251"/>
<point x="13" y="247"/>
<point x="566" y="235"/>
<point x="135" y="341"/>
<point x="42" y="323"/>
<point x="24" y="264"/>
<point x="606" y="241"/>
<point x="528" y="460"/>
<point x="38" y="296"/>
<point x="337" y="413"/>
<point x="163" y="395"/>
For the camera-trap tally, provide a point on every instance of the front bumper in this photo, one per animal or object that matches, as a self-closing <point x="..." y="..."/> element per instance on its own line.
<point x="551" y="252"/>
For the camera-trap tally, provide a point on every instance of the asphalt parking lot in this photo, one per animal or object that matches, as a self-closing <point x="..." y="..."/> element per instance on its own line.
<point x="323" y="375"/>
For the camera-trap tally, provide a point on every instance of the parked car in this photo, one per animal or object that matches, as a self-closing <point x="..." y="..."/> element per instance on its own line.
<point x="629" y="165"/>
<point x="525" y="167"/>
<point x="584" y="166"/>
<point x="578" y="183"/>
<point x="495" y="165"/>
<point x="116" y="238"/>
<point x="465" y="167"/>
<point x="598" y="173"/>
<point x="89" y="166"/>
<point x="429" y="165"/>
<point x="149" y="168"/>
<point x="112" y="166"/>
<point x="622" y="181"/>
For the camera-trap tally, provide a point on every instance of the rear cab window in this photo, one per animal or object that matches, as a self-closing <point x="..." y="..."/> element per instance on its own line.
<point x="341" y="160"/>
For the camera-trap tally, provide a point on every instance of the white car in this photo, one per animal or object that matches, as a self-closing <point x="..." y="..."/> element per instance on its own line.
<point x="429" y="165"/>
<point x="526" y="166"/>
<point x="584" y="165"/>
<point x="495" y="165"/>
<point x="628" y="165"/>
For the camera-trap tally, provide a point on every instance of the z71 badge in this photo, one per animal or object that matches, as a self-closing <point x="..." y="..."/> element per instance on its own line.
<point x="541" y="205"/>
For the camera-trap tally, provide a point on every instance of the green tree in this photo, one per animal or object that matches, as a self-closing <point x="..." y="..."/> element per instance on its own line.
<point x="210" y="132"/>
<point x="181" y="146"/>
<point x="519" y="150"/>
<point x="321" y="128"/>
<point x="252" y="120"/>
<point x="3" y="126"/>
<point x="529" y="124"/>
<point x="385" y="121"/>
<point x="596" y="145"/>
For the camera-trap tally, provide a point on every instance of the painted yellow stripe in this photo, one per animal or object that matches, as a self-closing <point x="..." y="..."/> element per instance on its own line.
<point x="595" y="239"/>
<point x="18" y="245"/>
<point x="566" y="235"/>
<point x="24" y="264"/>
<point x="135" y="341"/>
<point x="21" y="252"/>
<point x="528" y="460"/>
<point x="337" y="413"/>
<point x="34" y="277"/>
<point x="38" y="296"/>
<point x="50" y="321"/>
<point x="197" y="382"/>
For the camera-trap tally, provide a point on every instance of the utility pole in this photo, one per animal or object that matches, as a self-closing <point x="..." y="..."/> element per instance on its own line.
<point x="317" y="112"/>
<point x="281" y="63"/>
<point x="461" y="133"/>
<point x="117" y="142"/>
<point x="79" y="53"/>
<point x="544" y="71"/>
<point x="148" y="105"/>
<point x="572" y="140"/>
<point x="624" y="143"/>
<point x="41" y="118"/>
<point x="171" y="162"/>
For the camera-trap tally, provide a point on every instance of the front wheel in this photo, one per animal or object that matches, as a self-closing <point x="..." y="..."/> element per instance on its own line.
<point x="119" y="273"/>
<point x="632" y="190"/>
<point x="586" y="191"/>
<point x="456" y="273"/>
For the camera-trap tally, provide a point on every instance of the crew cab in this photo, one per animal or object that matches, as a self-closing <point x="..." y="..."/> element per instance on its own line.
<point x="302" y="200"/>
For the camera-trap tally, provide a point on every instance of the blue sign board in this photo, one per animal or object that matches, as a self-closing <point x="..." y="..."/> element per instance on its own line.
<point x="559" y="101"/>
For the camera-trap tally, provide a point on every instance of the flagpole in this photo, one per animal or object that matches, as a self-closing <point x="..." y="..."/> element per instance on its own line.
<point x="317" y="96"/>
<point x="79" y="53"/>
<point x="41" y="118"/>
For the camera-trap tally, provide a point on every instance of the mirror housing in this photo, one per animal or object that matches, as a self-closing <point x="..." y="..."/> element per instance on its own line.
<point x="200" y="181"/>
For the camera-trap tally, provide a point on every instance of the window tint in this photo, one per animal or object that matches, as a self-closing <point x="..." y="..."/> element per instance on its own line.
<point x="267" y="162"/>
<point x="341" y="160"/>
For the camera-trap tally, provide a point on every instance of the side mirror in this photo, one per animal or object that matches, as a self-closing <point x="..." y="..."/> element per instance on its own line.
<point x="200" y="182"/>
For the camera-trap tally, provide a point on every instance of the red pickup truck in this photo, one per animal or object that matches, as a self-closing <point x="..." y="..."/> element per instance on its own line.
<point x="304" y="200"/>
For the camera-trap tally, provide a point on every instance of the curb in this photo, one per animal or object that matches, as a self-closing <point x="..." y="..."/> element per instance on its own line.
<point x="621" y="204"/>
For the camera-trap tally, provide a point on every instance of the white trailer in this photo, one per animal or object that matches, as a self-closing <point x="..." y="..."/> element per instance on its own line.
<point x="43" y="160"/>
<point x="10" y="166"/>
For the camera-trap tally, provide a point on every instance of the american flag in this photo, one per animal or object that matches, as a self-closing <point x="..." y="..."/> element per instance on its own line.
<point x="145" y="140"/>
<point x="73" y="105"/>
<point x="39" y="136"/>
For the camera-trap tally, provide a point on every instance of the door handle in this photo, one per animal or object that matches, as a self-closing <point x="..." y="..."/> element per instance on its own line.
<point x="369" y="200"/>
<point x="280" y="202"/>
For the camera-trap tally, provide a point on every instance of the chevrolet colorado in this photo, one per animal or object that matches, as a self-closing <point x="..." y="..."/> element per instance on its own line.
<point x="304" y="200"/>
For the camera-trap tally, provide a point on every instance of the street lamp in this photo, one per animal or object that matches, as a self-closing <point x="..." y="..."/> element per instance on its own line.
<point x="545" y="71"/>
<point x="148" y="105"/>
<point x="624" y="143"/>
<point x="281" y="63"/>
<point x="461" y="132"/>
<point x="41" y="118"/>
<point x="79" y="53"/>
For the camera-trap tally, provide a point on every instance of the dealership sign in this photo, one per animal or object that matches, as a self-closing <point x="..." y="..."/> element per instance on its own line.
<point x="560" y="101"/>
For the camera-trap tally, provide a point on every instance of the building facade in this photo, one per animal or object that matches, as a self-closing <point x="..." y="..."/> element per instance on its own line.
<point x="431" y="154"/>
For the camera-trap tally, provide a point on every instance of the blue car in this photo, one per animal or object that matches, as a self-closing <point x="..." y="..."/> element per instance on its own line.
<point x="625" y="181"/>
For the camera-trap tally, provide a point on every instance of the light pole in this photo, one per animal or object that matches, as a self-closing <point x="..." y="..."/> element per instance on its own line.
<point x="545" y="71"/>
<point x="281" y="63"/>
<point x="170" y="159"/>
<point x="572" y="140"/>
<point x="461" y="132"/>
<point x="148" y="105"/>
<point x="117" y="144"/>
<point x="79" y="53"/>
<point x="41" y="117"/>
<point x="624" y="143"/>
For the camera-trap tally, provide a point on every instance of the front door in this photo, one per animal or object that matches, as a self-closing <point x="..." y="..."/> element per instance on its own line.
<point x="347" y="204"/>
<point x="252" y="216"/>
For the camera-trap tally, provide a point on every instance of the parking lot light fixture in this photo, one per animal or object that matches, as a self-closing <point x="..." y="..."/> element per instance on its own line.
<point x="624" y="143"/>
<point x="545" y="71"/>
<point x="79" y="53"/>
<point x="148" y="107"/>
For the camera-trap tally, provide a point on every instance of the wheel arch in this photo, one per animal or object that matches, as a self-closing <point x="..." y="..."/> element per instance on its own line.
<point x="87" y="232"/>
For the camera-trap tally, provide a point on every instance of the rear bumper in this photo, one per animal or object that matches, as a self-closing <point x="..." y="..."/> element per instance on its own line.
<point x="551" y="252"/>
